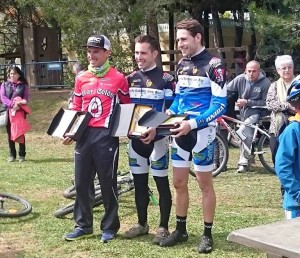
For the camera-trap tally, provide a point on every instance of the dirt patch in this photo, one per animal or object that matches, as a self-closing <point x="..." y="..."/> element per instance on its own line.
<point x="9" y="247"/>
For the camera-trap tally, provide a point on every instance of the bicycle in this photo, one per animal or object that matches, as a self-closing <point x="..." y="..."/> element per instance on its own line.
<point x="124" y="184"/>
<point x="259" y="142"/>
<point x="13" y="206"/>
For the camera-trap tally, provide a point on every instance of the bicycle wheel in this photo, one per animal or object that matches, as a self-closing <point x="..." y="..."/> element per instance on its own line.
<point x="221" y="155"/>
<point x="70" y="193"/>
<point x="265" y="154"/>
<point x="69" y="208"/>
<point x="125" y="184"/>
<point x="12" y="206"/>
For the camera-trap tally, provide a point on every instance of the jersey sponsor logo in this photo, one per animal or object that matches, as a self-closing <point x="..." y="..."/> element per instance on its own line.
<point x="168" y="77"/>
<point x="95" y="107"/>
<point x="87" y="92"/>
<point x="193" y="81"/>
<point x="215" y="62"/>
<point x="107" y="93"/>
<point x="137" y="80"/>
<point x="195" y="70"/>
<point x="145" y="93"/>
<point x="219" y="75"/>
<point x="215" y="114"/>
<point x="148" y="83"/>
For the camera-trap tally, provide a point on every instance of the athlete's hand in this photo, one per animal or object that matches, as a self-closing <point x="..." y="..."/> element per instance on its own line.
<point x="148" y="135"/>
<point x="67" y="141"/>
<point x="168" y="112"/>
<point x="183" y="129"/>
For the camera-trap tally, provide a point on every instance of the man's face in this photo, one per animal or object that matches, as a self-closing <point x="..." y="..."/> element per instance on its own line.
<point x="186" y="43"/>
<point x="252" y="71"/>
<point x="286" y="72"/>
<point x="144" y="57"/>
<point x="97" y="56"/>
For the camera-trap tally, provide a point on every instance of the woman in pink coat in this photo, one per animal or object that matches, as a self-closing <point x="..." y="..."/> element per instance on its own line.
<point x="14" y="93"/>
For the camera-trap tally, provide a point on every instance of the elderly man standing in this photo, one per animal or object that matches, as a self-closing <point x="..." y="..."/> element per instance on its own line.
<point x="250" y="89"/>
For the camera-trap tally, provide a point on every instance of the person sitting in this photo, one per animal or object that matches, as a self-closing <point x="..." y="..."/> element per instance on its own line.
<point x="250" y="90"/>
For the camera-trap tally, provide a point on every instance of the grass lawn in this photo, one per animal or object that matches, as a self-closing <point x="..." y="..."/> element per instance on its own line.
<point x="243" y="200"/>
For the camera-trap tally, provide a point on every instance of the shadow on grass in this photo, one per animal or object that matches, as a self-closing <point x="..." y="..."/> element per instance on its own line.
<point x="18" y="220"/>
<point x="49" y="160"/>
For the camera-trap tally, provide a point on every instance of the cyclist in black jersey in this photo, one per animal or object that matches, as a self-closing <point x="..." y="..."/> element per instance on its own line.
<point x="150" y="86"/>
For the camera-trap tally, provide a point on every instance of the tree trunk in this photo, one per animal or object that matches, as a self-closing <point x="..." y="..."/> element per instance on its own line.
<point x="219" y="42"/>
<point x="252" y="53"/>
<point x="239" y="56"/>
<point x="171" y="39"/>
<point x="206" y="29"/>
<point x="152" y="27"/>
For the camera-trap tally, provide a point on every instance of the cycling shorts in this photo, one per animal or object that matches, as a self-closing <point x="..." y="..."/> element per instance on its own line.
<point x="196" y="146"/>
<point x="155" y="155"/>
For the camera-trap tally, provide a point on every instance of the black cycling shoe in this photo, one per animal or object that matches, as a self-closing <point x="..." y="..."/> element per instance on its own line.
<point x="205" y="245"/>
<point x="175" y="238"/>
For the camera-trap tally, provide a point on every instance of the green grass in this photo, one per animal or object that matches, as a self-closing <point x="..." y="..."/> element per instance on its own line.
<point x="243" y="200"/>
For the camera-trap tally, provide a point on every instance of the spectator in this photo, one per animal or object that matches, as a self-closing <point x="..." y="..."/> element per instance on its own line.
<point x="200" y="93"/>
<point x="14" y="94"/>
<point x="250" y="91"/>
<point x="150" y="86"/>
<point x="276" y="100"/>
<point x="97" y="91"/>
<point x="287" y="159"/>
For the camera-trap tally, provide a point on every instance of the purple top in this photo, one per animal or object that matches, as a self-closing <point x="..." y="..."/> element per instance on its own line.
<point x="5" y="100"/>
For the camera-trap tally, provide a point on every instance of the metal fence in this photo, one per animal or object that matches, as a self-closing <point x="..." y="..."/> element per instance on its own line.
<point x="49" y="74"/>
<point x="44" y="74"/>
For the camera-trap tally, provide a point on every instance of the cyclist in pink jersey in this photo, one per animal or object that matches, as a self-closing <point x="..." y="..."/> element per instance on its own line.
<point x="97" y="91"/>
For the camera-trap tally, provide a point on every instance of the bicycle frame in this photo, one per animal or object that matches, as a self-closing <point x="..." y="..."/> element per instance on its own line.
<point x="222" y="121"/>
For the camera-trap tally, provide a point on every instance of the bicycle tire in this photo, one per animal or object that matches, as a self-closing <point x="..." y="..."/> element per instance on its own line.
<point x="221" y="163"/>
<point x="25" y="206"/>
<point x="69" y="208"/>
<point x="70" y="193"/>
<point x="267" y="162"/>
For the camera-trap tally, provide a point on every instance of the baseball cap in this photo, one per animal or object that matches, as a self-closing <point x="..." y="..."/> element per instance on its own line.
<point x="99" y="41"/>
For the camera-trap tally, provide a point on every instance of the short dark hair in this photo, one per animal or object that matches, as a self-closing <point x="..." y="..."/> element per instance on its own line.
<point x="154" y="45"/>
<point x="193" y="26"/>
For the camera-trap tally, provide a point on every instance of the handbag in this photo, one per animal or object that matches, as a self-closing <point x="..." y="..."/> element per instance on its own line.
<point x="3" y="117"/>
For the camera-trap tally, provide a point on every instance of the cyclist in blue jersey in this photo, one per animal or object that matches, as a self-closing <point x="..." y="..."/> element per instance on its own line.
<point x="287" y="159"/>
<point x="150" y="86"/>
<point x="200" y="93"/>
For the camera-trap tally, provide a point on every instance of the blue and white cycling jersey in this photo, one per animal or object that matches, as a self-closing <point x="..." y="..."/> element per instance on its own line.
<point x="200" y="89"/>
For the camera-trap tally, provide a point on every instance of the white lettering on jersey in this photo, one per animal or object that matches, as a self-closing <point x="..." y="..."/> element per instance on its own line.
<point x="193" y="81"/>
<point x="146" y="93"/>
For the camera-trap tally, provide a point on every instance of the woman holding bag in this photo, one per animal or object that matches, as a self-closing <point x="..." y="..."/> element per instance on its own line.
<point x="14" y="93"/>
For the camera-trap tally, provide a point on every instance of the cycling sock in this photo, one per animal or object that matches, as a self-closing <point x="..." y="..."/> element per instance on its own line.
<point x="181" y="223"/>
<point x="207" y="229"/>
<point x="141" y="197"/>
<point x="165" y="200"/>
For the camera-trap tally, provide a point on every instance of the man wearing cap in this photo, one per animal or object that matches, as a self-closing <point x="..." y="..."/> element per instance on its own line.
<point x="97" y="91"/>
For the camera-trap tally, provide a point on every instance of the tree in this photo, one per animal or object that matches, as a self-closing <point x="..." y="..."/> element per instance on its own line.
<point x="278" y="24"/>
